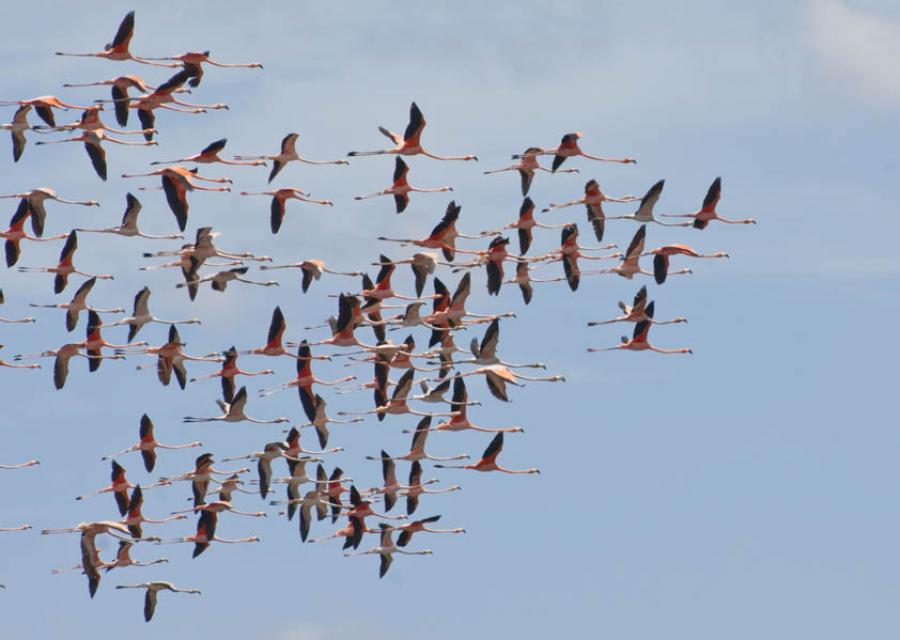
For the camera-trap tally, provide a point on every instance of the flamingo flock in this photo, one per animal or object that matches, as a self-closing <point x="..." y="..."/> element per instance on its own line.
<point x="319" y="498"/>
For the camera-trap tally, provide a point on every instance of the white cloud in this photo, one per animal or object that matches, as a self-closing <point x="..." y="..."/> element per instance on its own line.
<point x="859" y="46"/>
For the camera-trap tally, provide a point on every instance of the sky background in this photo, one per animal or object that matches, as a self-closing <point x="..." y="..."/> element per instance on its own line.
<point x="747" y="491"/>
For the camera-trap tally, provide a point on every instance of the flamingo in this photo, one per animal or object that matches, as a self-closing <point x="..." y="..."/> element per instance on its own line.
<point x="593" y="200"/>
<point x="206" y="534"/>
<point x="219" y="280"/>
<point x="43" y="106"/>
<point x="194" y="60"/>
<point x="228" y="372"/>
<point x="387" y="549"/>
<point x="408" y="530"/>
<point x="148" y="445"/>
<point x="153" y="589"/>
<point x="210" y="154"/>
<point x="94" y="342"/>
<point x="77" y="304"/>
<point x="488" y="461"/>
<point x="361" y="508"/>
<point x="117" y="50"/>
<point x="171" y="357"/>
<point x="416" y="488"/>
<point x="288" y="153"/>
<point x="321" y="419"/>
<point x="20" y="465"/>
<point x="639" y="340"/>
<point x="417" y="447"/>
<point x="90" y="557"/>
<point x="707" y="212"/>
<point x="134" y="519"/>
<point x="141" y="315"/>
<point x="630" y="265"/>
<point x="279" y="198"/>
<point x="401" y="188"/>
<point x="264" y="459"/>
<point x="570" y="251"/>
<point x="37" y="197"/>
<point x="95" y="151"/>
<point x="65" y="267"/>
<point x="312" y="268"/>
<point x="202" y="475"/>
<point x="293" y="449"/>
<point x="661" y="257"/>
<point x="62" y="357"/>
<point x="485" y="353"/>
<point x="17" y="129"/>
<point x="644" y="212"/>
<point x="129" y="227"/>
<point x="123" y="559"/>
<point x="408" y="144"/>
<point x="119" y="486"/>
<point x="460" y="421"/>
<point x="497" y="377"/>
<point x="524" y="225"/>
<point x="13" y="321"/>
<point x="304" y="381"/>
<point x="524" y="280"/>
<point x="527" y="165"/>
<point x="443" y="235"/>
<point x="222" y="504"/>
<point x="176" y="182"/>
<point x="204" y="248"/>
<point x="90" y="121"/>
<point x="568" y="147"/>
<point x="397" y="405"/>
<point x="120" y="86"/>
<point x="274" y="346"/>
<point x="234" y="412"/>
<point x="15" y="233"/>
<point x="636" y="312"/>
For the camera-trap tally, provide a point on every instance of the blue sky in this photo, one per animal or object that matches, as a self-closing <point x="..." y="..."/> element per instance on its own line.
<point x="747" y="490"/>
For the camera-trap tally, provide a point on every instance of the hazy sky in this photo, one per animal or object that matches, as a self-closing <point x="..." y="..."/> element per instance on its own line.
<point x="747" y="491"/>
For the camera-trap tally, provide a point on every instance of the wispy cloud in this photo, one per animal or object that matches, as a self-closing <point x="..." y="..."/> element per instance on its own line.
<point x="859" y="46"/>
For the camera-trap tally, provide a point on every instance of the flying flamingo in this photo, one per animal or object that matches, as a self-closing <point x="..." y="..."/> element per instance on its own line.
<point x="570" y="251"/>
<point x="234" y="412"/>
<point x="228" y="372"/>
<point x="408" y="530"/>
<point x="10" y="320"/>
<point x="129" y="227"/>
<point x="274" y="346"/>
<point x="176" y="182"/>
<point x="202" y="475"/>
<point x="527" y="165"/>
<point x="94" y="342"/>
<point x="95" y="151"/>
<point x="593" y="200"/>
<point x="90" y="121"/>
<point x="443" y="236"/>
<point x="630" y="265"/>
<point x="204" y="248"/>
<point x="400" y="188"/>
<point x="134" y="519"/>
<point x="707" y="212"/>
<point x="210" y="154"/>
<point x="171" y="357"/>
<point x="644" y="212"/>
<point x="488" y="461"/>
<point x="397" y="405"/>
<point x="524" y="280"/>
<point x="264" y="459"/>
<point x="194" y="60"/>
<point x="312" y="268"/>
<point x="65" y="266"/>
<point x="119" y="486"/>
<point x="17" y="129"/>
<point x="639" y="340"/>
<point x="417" y="448"/>
<point x="15" y="233"/>
<point x="148" y="445"/>
<point x="62" y="357"/>
<point x="288" y="153"/>
<point x="222" y="504"/>
<point x="37" y="197"/>
<point x="206" y="534"/>
<point x="636" y="312"/>
<point x="153" y="589"/>
<point x="43" y="106"/>
<point x="120" y="86"/>
<point x="387" y="549"/>
<point x="141" y="315"/>
<point x="661" y="257"/>
<point x="460" y="421"/>
<point x="485" y="353"/>
<point x="219" y="280"/>
<point x="117" y="50"/>
<point x="416" y="488"/>
<point x="123" y="559"/>
<point x="321" y="419"/>
<point x="78" y="304"/>
<point x="279" y="198"/>
<point x="568" y="148"/>
<point x="524" y="225"/>
<point x="90" y="557"/>
<point x="497" y="377"/>
<point x="408" y="144"/>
